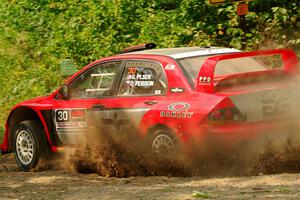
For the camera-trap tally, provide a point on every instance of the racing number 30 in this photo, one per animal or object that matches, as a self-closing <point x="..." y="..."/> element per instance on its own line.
<point x="62" y="115"/>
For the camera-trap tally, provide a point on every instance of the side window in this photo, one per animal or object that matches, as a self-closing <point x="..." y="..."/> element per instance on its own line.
<point x="95" y="82"/>
<point x="142" y="78"/>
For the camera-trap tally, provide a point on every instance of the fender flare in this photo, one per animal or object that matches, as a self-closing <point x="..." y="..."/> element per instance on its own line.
<point x="6" y="146"/>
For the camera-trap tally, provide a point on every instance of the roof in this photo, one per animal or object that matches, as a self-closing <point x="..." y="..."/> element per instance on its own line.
<point x="185" y="52"/>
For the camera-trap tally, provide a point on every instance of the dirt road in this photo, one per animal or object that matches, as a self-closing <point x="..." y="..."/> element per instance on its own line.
<point x="65" y="185"/>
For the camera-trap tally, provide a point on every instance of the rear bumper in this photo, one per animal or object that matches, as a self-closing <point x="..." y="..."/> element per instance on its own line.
<point x="227" y="138"/>
<point x="230" y="134"/>
<point x="247" y="130"/>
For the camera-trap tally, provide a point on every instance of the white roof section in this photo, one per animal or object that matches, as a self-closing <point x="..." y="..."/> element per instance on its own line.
<point x="185" y="52"/>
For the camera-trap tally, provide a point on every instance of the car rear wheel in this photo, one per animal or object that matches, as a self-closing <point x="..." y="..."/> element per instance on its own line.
<point x="163" y="144"/>
<point x="28" y="144"/>
<point x="167" y="156"/>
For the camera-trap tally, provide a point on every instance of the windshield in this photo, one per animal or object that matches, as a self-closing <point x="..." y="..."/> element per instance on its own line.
<point x="193" y="65"/>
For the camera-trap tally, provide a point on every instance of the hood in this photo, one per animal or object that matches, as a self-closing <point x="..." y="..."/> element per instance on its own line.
<point x="43" y="101"/>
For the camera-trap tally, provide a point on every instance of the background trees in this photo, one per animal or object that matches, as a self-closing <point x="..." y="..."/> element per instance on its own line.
<point x="35" y="35"/>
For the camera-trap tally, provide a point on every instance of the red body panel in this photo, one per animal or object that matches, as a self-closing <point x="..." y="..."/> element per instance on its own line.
<point x="190" y="124"/>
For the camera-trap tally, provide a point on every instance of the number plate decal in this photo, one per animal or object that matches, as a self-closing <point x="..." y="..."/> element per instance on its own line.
<point x="62" y="115"/>
<point x="64" y="119"/>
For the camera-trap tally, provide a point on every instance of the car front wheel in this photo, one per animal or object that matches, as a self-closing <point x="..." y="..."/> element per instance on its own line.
<point x="28" y="144"/>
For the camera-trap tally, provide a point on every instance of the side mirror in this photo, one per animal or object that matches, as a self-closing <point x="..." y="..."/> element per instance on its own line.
<point x="65" y="92"/>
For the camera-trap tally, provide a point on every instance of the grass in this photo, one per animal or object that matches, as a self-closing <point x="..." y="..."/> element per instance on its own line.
<point x="201" y="195"/>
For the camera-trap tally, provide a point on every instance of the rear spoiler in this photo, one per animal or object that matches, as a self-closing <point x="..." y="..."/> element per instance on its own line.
<point x="205" y="79"/>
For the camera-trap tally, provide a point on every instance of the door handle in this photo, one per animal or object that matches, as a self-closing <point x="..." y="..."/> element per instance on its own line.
<point x="150" y="102"/>
<point x="98" y="107"/>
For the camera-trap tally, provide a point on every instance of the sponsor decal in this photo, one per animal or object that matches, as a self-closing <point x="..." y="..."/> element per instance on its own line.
<point x="177" y="90"/>
<point x="204" y="79"/>
<point x="172" y="114"/>
<point x="157" y="92"/>
<point x="179" y="106"/>
<point x="170" y="67"/>
<point x="177" y="110"/>
<point x="71" y="124"/>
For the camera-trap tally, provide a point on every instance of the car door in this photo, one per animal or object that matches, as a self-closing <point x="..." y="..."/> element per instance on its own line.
<point x="90" y="90"/>
<point x="142" y="85"/>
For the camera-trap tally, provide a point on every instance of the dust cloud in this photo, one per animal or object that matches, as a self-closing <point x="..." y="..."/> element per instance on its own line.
<point x="112" y="156"/>
<point x="108" y="156"/>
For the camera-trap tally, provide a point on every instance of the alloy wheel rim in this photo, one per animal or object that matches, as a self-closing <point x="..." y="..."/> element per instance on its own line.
<point x="24" y="147"/>
<point x="163" y="145"/>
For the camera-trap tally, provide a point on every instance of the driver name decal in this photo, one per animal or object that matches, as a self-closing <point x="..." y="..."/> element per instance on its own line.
<point x="140" y="77"/>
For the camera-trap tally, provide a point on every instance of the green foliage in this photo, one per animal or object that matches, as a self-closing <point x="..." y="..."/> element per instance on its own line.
<point x="36" y="35"/>
<point x="1" y="133"/>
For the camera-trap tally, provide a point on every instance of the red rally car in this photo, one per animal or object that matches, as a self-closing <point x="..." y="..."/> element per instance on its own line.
<point x="172" y="96"/>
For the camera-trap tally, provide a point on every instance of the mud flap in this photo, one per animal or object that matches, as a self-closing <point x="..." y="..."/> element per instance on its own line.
<point x="4" y="152"/>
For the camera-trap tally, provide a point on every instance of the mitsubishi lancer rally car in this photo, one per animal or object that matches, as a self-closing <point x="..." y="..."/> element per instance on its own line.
<point x="171" y="97"/>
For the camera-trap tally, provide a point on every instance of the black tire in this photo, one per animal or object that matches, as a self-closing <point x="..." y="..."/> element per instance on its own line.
<point x="29" y="144"/>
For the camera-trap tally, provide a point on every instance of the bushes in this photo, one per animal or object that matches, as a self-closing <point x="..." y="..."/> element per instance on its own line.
<point x="36" y="35"/>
